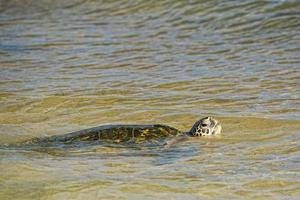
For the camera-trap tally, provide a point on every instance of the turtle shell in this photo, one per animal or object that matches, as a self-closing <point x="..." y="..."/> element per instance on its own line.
<point x="116" y="134"/>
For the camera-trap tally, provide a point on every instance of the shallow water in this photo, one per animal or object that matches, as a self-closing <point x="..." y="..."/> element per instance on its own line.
<point x="69" y="65"/>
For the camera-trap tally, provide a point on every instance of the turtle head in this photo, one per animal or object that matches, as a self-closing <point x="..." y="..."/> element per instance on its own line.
<point x="206" y="126"/>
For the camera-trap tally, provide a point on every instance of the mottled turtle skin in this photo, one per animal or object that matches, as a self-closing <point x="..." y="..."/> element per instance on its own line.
<point x="134" y="133"/>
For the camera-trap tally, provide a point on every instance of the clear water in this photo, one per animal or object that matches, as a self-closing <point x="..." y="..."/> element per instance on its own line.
<point x="69" y="65"/>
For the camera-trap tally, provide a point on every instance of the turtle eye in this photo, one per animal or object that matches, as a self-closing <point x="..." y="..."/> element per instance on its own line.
<point x="204" y="125"/>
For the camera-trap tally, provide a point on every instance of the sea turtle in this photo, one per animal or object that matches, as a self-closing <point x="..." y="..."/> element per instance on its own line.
<point x="135" y="133"/>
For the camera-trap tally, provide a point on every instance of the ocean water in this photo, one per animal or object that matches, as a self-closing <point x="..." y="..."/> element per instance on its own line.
<point x="73" y="64"/>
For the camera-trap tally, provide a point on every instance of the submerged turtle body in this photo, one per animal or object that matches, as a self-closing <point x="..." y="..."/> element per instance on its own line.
<point x="134" y="133"/>
<point x="116" y="134"/>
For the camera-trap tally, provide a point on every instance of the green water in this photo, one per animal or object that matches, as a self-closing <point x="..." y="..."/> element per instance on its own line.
<point x="69" y="65"/>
